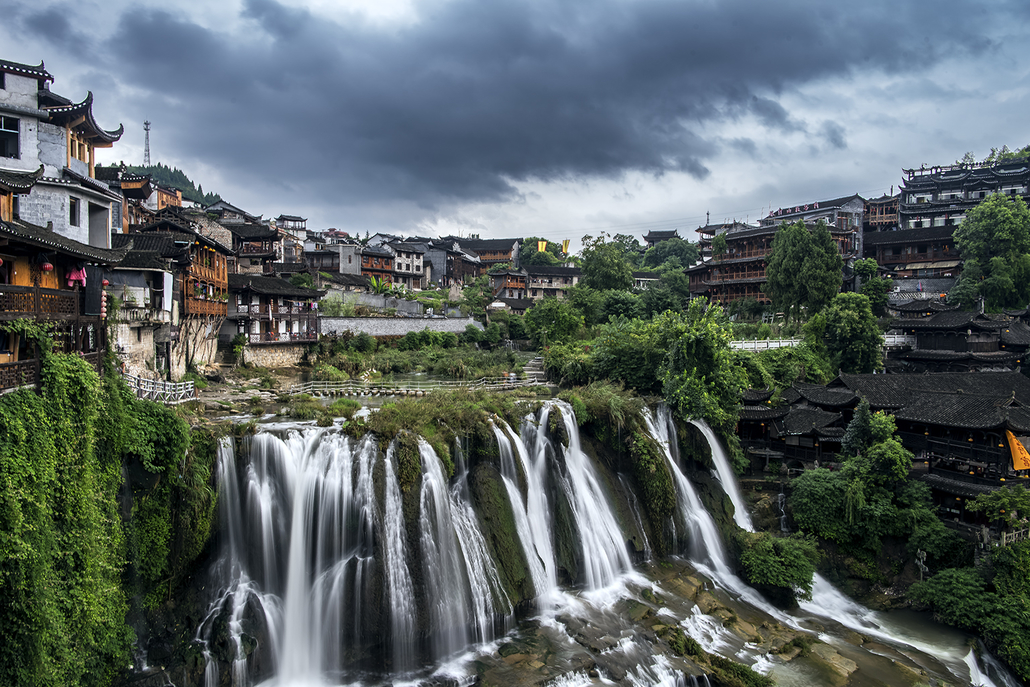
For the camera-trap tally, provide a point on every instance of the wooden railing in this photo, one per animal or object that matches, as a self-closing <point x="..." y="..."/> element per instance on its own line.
<point x="269" y="309"/>
<point x="169" y="393"/>
<point x="19" y="374"/>
<point x="359" y="387"/>
<point x="212" y="274"/>
<point x="28" y="301"/>
<point x="198" y="306"/>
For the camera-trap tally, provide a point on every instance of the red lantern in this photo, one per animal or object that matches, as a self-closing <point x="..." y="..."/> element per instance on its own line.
<point x="106" y="283"/>
<point x="1" y="262"/>
<point x="47" y="267"/>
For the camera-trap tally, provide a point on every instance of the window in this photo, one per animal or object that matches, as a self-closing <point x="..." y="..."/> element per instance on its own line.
<point x="9" y="137"/>
<point x="73" y="212"/>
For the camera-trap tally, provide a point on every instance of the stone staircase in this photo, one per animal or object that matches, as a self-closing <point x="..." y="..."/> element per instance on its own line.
<point x="534" y="370"/>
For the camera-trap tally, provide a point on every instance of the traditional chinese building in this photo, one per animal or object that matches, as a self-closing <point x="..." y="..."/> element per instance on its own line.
<point x="923" y="252"/>
<point x="378" y="263"/>
<point x="653" y="238"/>
<point x="942" y="196"/>
<point x="40" y="128"/>
<point x="543" y="281"/>
<point x="278" y="318"/>
<point x="49" y="278"/>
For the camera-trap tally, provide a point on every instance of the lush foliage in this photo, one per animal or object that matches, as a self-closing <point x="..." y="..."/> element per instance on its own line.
<point x="553" y="321"/>
<point x="784" y="562"/>
<point x="991" y="600"/>
<point x="804" y="269"/>
<point x="685" y="253"/>
<point x="604" y="266"/>
<point x="871" y="497"/>
<point x="176" y="178"/>
<point x="849" y="332"/>
<point x="63" y="549"/>
<point x="994" y="241"/>
<point x="529" y="253"/>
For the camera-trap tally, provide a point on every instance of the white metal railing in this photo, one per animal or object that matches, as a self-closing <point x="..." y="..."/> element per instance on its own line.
<point x="764" y="344"/>
<point x="890" y="340"/>
<point x="361" y="387"/>
<point x="169" y="393"/>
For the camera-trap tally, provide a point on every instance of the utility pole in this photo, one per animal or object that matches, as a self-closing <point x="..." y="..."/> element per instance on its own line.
<point x="146" y="144"/>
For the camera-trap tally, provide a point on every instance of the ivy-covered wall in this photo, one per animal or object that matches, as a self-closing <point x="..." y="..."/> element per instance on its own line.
<point x="70" y="563"/>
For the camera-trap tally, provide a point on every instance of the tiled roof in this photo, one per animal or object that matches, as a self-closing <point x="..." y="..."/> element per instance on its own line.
<point x="957" y="487"/>
<point x="897" y="390"/>
<point x="252" y="231"/>
<point x="273" y="286"/>
<point x="763" y="413"/>
<point x="345" y="279"/>
<point x="375" y="250"/>
<point x="19" y="182"/>
<point x="517" y="303"/>
<point x="826" y="396"/>
<point x="922" y="306"/>
<point x="64" y="114"/>
<point x="948" y="319"/>
<point x="478" y="245"/>
<point x="823" y="205"/>
<point x="143" y="260"/>
<point x="884" y="238"/>
<point x="47" y="239"/>
<point x="34" y="71"/>
<point x="962" y="411"/>
<point x="662" y="235"/>
<point x="756" y="395"/>
<point x="647" y="275"/>
<point x="291" y="218"/>
<point x="804" y="420"/>
<point x="1015" y="333"/>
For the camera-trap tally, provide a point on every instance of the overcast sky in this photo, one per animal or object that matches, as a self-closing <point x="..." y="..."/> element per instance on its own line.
<point x="555" y="118"/>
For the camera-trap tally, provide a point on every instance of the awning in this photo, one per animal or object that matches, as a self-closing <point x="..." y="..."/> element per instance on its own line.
<point x="939" y="265"/>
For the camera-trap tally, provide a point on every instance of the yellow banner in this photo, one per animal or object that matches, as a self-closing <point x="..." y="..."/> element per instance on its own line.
<point x="565" y="246"/>
<point x="1020" y="456"/>
<point x="541" y="246"/>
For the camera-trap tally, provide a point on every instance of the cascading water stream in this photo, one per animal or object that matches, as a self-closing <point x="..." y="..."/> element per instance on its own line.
<point x="724" y="473"/>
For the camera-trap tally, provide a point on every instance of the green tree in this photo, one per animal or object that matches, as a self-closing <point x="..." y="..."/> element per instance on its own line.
<point x="632" y="251"/>
<point x="302" y="280"/>
<point x="878" y="290"/>
<point x="866" y="268"/>
<point x="529" y="253"/>
<point x="477" y="295"/>
<point x="604" y="265"/>
<point x="787" y="563"/>
<point x="552" y="321"/>
<point x="851" y="335"/>
<point x="659" y="298"/>
<point x="661" y="252"/>
<point x="622" y="304"/>
<point x="700" y="376"/>
<point x="719" y="246"/>
<point x="1007" y="505"/>
<point x="994" y="241"/>
<point x="588" y="302"/>
<point x="805" y="268"/>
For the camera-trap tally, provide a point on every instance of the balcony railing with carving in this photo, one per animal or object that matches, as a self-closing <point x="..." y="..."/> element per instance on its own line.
<point x="47" y="304"/>
<point x="215" y="275"/>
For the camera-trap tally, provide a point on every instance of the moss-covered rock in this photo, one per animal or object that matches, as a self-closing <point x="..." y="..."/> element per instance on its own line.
<point x="490" y="500"/>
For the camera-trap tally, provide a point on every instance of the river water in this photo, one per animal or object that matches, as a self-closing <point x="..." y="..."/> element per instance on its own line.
<point x="331" y="573"/>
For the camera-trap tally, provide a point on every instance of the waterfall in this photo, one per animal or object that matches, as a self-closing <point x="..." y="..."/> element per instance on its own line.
<point x="724" y="473"/>
<point x="601" y="541"/>
<point x="398" y="577"/>
<point x="532" y="515"/>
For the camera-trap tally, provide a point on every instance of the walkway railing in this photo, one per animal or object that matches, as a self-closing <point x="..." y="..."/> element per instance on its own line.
<point x="889" y="341"/>
<point x="357" y="387"/>
<point x="764" y="344"/>
<point x="169" y="393"/>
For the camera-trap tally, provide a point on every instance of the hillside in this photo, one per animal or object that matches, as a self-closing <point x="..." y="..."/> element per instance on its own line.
<point x="176" y="178"/>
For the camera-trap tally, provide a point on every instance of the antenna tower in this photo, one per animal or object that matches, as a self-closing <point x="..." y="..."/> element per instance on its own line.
<point x="146" y="144"/>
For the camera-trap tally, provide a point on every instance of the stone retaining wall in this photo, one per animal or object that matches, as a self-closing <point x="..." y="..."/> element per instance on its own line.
<point x="393" y="326"/>
<point x="274" y="355"/>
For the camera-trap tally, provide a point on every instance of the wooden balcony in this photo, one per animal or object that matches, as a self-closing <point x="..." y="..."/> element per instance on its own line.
<point x="198" y="306"/>
<point x="214" y="275"/>
<point x="17" y="302"/>
<point x="270" y="310"/>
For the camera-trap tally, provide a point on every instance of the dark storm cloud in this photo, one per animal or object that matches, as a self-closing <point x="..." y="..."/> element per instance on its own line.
<point x="475" y="94"/>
